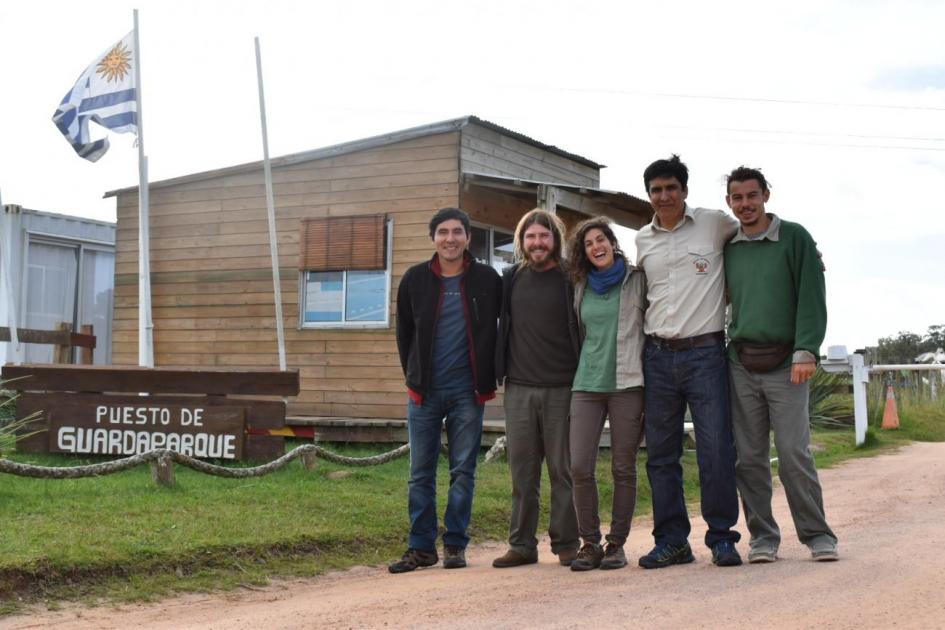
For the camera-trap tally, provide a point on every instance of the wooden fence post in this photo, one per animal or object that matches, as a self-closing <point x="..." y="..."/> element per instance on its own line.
<point x="63" y="353"/>
<point x="162" y="470"/>
<point x="309" y="460"/>
<point x="85" y="354"/>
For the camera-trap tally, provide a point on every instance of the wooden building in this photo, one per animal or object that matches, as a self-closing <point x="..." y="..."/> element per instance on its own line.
<point x="350" y="219"/>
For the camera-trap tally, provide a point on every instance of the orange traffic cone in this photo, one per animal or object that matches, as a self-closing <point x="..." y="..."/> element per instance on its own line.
<point x="891" y="413"/>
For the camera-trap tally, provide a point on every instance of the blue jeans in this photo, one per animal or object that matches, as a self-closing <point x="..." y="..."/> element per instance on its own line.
<point x="697" y="377"/>
<point x="464" y="433"/>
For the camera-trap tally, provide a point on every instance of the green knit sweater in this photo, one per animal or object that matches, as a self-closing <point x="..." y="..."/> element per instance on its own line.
<point x="777" y="290"/>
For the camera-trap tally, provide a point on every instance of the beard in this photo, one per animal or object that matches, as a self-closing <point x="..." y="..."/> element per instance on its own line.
<point x="540" y="256"/>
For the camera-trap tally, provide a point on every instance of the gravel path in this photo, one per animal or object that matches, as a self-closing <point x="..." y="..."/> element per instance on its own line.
<point x="888" y="511"/>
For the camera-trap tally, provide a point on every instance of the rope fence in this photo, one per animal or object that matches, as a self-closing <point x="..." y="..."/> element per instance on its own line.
<point x="161" y="461"/>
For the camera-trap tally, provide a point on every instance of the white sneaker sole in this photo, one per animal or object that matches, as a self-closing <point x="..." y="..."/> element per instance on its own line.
<point x="762" y="557"/>
<point x="825" y="556"/>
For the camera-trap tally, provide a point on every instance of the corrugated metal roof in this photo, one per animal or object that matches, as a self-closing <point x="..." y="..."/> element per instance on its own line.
<point x="363" y="144"/>
<point x="12" y="207"/>
<point x="522" y="137"/>
<point x="637" y="211"/>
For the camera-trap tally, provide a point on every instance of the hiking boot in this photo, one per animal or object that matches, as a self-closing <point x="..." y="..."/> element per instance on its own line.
<point x="614" y="557"/>
<point x="567" y="556"/>
<point x="588" y="557"/>
<point x="454" y="557"/>
<point x="513" y="559"/>
<point x="412" y="559"/>
<point x="762" y="555"/>
<point x="724" y="554"/>
<point x="665" y="555"/>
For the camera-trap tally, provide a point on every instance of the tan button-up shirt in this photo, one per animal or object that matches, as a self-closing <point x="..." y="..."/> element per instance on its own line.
<point x="684" y="274"/>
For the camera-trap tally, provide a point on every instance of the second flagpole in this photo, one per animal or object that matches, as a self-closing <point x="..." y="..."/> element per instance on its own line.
<point x="271" y="211"/>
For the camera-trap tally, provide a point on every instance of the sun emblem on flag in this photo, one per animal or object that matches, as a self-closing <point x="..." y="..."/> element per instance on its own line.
<point x="116" y="64"/>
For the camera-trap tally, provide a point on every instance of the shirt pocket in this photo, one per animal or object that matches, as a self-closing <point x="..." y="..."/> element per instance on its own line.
<point x="481" y="308"/>
<point x="703" y="259"/>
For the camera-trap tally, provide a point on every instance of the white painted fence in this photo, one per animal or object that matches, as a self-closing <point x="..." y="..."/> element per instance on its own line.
<point x="839" y="361"/>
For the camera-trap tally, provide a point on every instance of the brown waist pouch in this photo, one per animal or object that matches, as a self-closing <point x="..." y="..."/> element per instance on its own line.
<point x="762" y="357"/>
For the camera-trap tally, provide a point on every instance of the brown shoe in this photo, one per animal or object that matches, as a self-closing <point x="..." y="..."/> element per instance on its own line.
<point x="513" y="559"/>
<point x="567" y="556"/>
<point x="614" y="557"/>
<point x="588" y="557"/>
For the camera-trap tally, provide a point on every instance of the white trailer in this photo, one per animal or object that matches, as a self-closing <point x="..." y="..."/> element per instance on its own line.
<point x="58" y="269"/>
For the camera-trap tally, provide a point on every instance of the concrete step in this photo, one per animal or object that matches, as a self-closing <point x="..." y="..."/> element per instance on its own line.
<point x="394" y="430"/>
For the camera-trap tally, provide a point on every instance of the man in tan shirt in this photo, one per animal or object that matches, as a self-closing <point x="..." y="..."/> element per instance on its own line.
<point x="684" y="363"/>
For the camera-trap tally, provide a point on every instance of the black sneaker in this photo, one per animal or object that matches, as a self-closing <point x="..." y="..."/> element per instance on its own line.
<point x="588" y="557"/>
<point x="664" y="555"/>
<point x="724" y="554"/>
<point x="614" y="557"/>
<point x="454" y="557"/>
<point x="412" y="559"/>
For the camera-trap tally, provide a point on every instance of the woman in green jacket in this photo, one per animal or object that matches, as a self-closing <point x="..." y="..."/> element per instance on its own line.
<point x="609" y="300"/>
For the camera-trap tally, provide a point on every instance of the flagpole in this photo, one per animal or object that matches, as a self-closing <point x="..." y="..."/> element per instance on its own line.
<point x="270" y="208"/>
<point x="6" y="244"/>
<point x="145" y="325"/>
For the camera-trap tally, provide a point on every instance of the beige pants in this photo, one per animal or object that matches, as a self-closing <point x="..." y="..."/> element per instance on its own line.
<point x="536" y="430"/>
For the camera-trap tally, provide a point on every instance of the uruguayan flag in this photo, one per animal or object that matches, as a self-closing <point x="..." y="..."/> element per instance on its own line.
<point x="105" y="93"/>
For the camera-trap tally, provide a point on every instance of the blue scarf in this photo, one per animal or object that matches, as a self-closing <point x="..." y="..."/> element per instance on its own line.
<point x="603" y="281"/>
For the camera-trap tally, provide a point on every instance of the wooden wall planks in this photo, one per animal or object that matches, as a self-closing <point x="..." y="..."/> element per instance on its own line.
<point x="212" y="298"/>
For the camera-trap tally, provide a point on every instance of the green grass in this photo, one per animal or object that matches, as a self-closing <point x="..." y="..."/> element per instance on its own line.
<point x="123" y="538"/>
<point x="124" y="525"/>
<point x="921" y="420"/>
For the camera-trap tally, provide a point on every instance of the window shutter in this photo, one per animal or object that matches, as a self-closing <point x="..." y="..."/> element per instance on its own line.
<point x="343" y="243"/>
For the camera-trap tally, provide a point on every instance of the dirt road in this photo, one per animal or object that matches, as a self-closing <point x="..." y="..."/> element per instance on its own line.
<point x="889" y="513"/>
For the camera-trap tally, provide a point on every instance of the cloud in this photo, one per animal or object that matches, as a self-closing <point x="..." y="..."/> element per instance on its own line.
<point x="911" y="79"/>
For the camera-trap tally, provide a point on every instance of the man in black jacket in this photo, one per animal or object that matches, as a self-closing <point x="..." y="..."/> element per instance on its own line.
<point x="447" y="310"/>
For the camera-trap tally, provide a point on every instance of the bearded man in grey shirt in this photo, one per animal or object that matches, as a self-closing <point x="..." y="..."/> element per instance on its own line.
<point x="537" y="354"/>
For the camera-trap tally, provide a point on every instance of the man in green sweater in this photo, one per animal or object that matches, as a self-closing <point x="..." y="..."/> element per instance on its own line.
<point x="775" y="282"/>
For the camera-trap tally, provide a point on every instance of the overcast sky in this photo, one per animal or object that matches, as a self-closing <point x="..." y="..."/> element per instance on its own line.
<point x="842" y="104"/>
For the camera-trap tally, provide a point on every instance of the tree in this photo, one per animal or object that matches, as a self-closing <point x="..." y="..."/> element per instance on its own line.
<point x="899" y="349"/>
<point x="906" y="346"/>
<point x="935" y="338"/>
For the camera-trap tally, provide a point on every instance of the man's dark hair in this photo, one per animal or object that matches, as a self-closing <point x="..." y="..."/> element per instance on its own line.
<point x="673" y="167"/>
<point x="744" y="174"/>
<point x="578" y="263"/>
<point x="445" y="214"/>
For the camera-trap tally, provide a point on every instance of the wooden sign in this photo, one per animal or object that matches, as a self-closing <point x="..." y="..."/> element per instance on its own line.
<point x="102" y="425"/>
<point x="99" y="409"/>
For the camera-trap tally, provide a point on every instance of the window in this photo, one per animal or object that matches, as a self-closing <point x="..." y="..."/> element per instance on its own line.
<point x="492" y="246"/>
<point x="345" y="272"/>
<point x="68" y="282"/>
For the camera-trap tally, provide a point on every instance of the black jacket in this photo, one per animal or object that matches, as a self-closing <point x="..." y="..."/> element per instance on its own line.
<point x="418" y="306"/>
<point x="505" y="320"/>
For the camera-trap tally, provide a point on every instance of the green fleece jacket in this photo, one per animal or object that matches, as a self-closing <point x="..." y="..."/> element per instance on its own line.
<point x="776" y="288"/>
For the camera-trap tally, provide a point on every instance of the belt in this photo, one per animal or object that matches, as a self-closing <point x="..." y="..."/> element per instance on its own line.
<point x="688" y="343"/>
